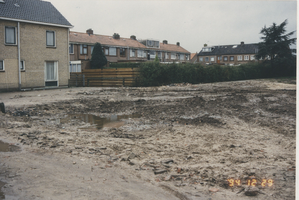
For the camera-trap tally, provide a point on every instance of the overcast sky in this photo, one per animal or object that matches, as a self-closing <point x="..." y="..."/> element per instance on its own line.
<point x="192" y="23"/>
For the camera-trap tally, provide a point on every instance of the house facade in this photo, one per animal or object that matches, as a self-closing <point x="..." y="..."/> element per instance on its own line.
<point x="228" y="54"/>
<point x="119" y="49"/>
<point x="34" y="45"/>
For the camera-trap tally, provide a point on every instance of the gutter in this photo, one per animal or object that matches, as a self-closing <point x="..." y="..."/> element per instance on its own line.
<point x="19" y="56"/>
<point x="36" y="22"/>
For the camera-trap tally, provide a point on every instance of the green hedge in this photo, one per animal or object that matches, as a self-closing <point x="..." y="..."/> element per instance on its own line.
<point x="123" y="65"/>
<point x="156" y="74"/>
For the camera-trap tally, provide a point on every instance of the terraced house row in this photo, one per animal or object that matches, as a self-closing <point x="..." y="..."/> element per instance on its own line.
<point x="119" y="49"/>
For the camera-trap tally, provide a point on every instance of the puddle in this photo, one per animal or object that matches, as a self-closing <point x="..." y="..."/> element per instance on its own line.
<point x="5" y="147"/>
<point x="2" y="196"/>
<point x="114" y="121"/>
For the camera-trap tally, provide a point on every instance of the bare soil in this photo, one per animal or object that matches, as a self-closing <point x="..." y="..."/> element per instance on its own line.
<point x="172" y="142"/>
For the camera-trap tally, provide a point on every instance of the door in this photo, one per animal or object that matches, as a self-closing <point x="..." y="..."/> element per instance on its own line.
<point x="51" y="73"/>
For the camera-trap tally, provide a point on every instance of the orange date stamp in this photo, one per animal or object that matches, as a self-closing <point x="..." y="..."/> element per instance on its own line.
<point x="251" y="182"/>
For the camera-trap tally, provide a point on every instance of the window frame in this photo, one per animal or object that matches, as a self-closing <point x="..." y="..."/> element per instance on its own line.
<point x="206" y="59"/>
<point x="252" y="56"/>
<point x="212" y="59"/>
<point x="110" y="51"/>
<point x="246" y="57"/>
<point x="172" y="56"/>
<point x="49" y="81"/>
<point x="239" y="58"/>
<point x="166" y="56"/>
<point x="24" y="65"/>
<point x="201" y="59"/>
<point x="71" y="46"/>
<point x="15" y="35"/>
<point x="231" y="58"/>
<point x="122" y="52"/>
<point x="225" y="58"/>
<point x="3" y="66"/>
<point x="54" y="39"/>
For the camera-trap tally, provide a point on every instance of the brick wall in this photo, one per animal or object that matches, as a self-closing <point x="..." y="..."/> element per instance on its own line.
<point x="35" y="53"/>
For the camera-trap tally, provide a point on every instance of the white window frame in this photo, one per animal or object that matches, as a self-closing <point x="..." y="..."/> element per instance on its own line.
<point x="173" y="56"/>
<point x="110" y="51"/>
<point x="77" y="64"/>
<point x="166" y="56"/>
<point x="23" y="69"/>
<point x="187" y="57"/>
<point x="239" y="58"/>
<point x="55" y="69"/>
<point x="252" y="57"/>
<point x="15" y="35"/>
<point x="201" y="59"/>
<point x="54" y="38"/>
<point x="3" y="66"/>
<point x="182" y="57"/>
<point x="71" y="46"/>
<point x="212" y="59"/>
<point x="132" y="53"/>
<point x="246" y="57"/>
<point x="106" y="51"/>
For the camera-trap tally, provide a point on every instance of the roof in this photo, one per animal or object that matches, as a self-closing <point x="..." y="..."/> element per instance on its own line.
<point x="34" y="11"/>
<point x="172" y="47"/>
<point x="231" y="50"/>
<point x="84" y="38"/>
<point x="192" y="55"/>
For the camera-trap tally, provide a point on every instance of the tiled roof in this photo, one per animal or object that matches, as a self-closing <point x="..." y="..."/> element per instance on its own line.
<point x="231" y="50"/>
<point x="192" y="55"/>
<point x="84" y="38"/>
<point x="32" y="10"/>
<point x="172" y="47"/>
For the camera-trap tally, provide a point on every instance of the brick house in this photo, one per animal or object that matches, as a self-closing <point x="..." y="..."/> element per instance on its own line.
<point x="228" y="54"/>
<point x="34" y="48"/>
<point x="119" y="49"/>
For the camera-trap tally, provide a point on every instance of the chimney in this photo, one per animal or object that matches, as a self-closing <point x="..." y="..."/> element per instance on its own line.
<point x="165" y="42"/>
<point x="89" y="31"/>
<point x="205" y="45"/>
<point x="178" y="43"/>
<point x="133" y="37"/>
<point x="116" y="36"/>
<point x="242" y="43"/>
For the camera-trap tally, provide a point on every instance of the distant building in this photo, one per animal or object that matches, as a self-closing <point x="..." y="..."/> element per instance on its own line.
<point x="119" y="49"/>
<point x="34" y="49"/>
<point x="227" y="54"/>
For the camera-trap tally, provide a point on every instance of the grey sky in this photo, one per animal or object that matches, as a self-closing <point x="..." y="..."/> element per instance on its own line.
<point x="192" y="23"/>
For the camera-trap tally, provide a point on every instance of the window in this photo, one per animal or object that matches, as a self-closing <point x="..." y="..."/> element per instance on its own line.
<point x="187" y="57"/>
<point x="122" y="52"/>
<point x="140" y="53"/>
<point x="112" y="51"/>
<point x="239" y="57"/>
<point x="231" y="58"/>
<point x="1" y="65"/>
<point x="91" y="49"/>
<point x="252" y="57"/>
<point x="50" y="38"/>
<point x="225" y="58"/>
<point x="152" y="54"/>
<point x="246" y="57"/>
<point x="106" y="51"/>
<point x="71" y="48"/>
<point x="173" y="56"/>
<point x="182" y="56"/>
<point x="51" y="77"/>
<point x="201" y="59"/>
<point x="207" y="59"/>
<point x="132" y="52"/>
<point x="83" y="49"/>
<point x="10" y="35"/>
<point x="160" y="55"/>
<point x="75" y="66"/>
<point x="219" y="57"/>
<point x="22" y="65"/>
<point x="166" y="55"/>
<point x="212" y="59"/>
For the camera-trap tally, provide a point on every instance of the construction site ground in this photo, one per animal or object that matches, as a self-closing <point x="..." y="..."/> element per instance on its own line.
<point x="181" y="141"/>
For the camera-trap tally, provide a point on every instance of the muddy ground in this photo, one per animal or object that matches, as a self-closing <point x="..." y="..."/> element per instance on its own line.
<point x="171" y="142"/>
